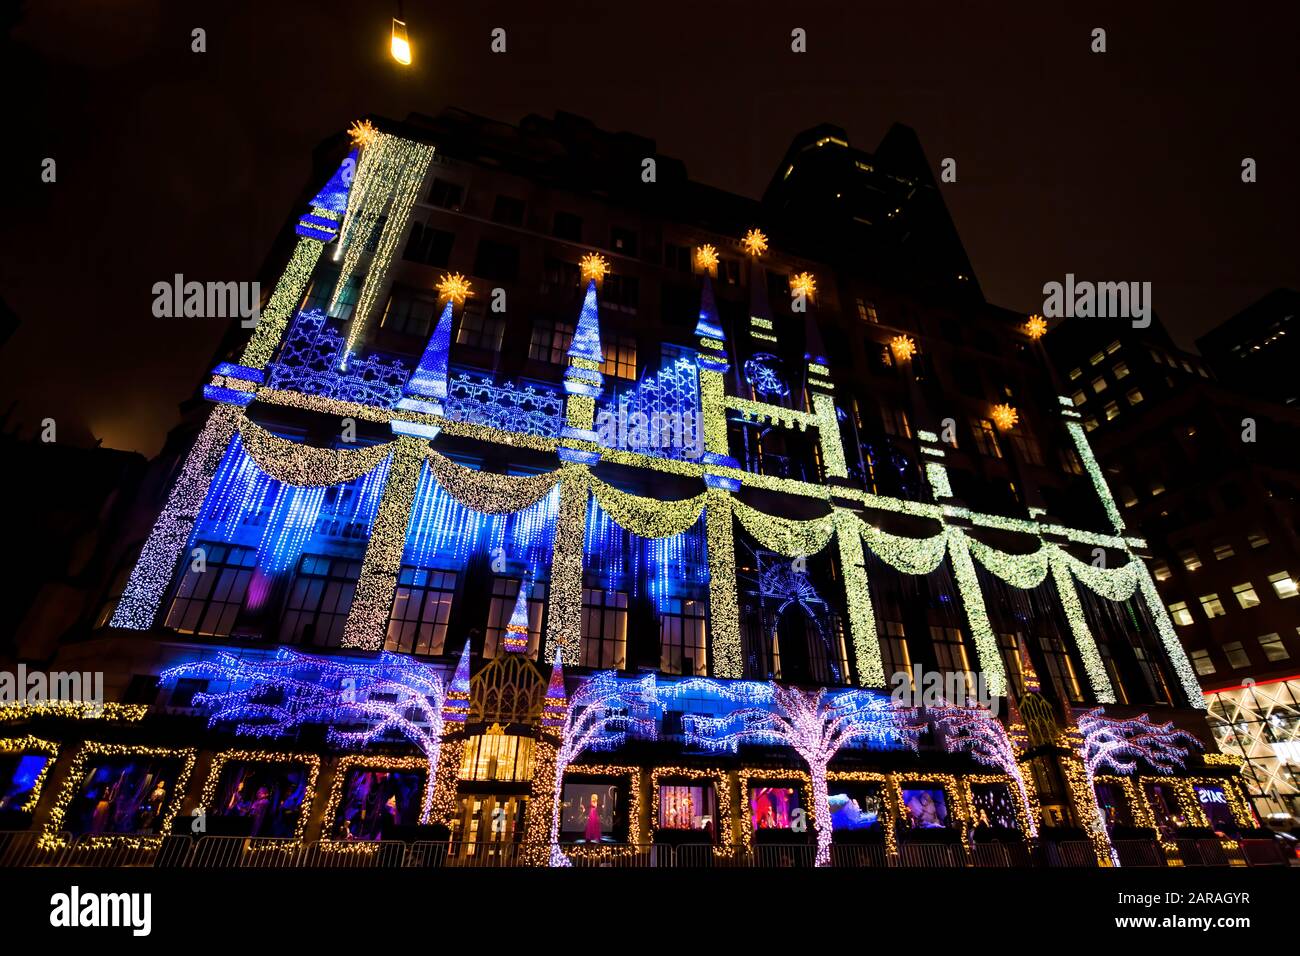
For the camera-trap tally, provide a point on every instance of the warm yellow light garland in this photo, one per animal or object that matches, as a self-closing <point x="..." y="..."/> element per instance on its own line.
<point x="32" y="745"/>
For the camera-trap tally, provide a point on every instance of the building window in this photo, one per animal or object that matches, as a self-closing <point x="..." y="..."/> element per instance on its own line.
<point x="1113" y="347"/>
<point x="446" y="195"/>
<point x="505" y="591"/>
<point x="1112" y="411"/>
<point x="1201" y="661"/>
<point x="421" y="608"/>
<point x="1075" y="374"/>
<point x="1236" y="654"/>
<point x="1157" y="489"/>
<point x="115" y="589"/>
<point x="550" y="341"/>
<point x="408" y="314"/>
<point x="681" y="638"/>
<point x="1097" y="359"/>
<point x="347" y="300"/>
<point x="498" y="261"/>
<point x="1212" y="606"/>
<point x="604" y="628"/>
<point x="1120" y="370"/>
<point x="1027" y="447"/>
<point x="319" y="600"/>
<point x="208" y="601"/>
<point x="480" y="329"/>
<point x="1079" y="398"/>
<point x="1160" y="571"/>
<point x="1222" y="551"/>
<point x="729" y="271"/>
<point x="1127" y="496"/>
<point x="1178" y="611"/>
<point x="1134" y="396"/>
<point x="1009" y="649"/>
<point x="562" y="275"/>
<point x="508" y="211"/>
<point x="1060" y="666"/>
<point x="1191" y="560"/>
<point x="1283" y="584"/>
<point x="986" y="437"/>
<point x="623" y="241"/>
<point x="620" y="357"/>
<point x="1099" y="385"/>
<point x="1257" y="539"/>
<point x="567" y="226"/>
<point x="1245" y="594"/>
<point x="895" y="422"/>
<point x="894" y="654"/>
<point x="320" y="290"/>
<point x="621" y="290"/>
<point x="1271" y="645"/>
<point x="497" y="757"/>
<point x="867" y="311"/>
<point x="430" y="246"/>
<point x="950" y="654"/>
<point x="1090" y="424"/>
<point x="677" y="257"/>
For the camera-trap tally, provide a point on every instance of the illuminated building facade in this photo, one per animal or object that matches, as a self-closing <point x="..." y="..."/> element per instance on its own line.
<point x="559" y="508"/>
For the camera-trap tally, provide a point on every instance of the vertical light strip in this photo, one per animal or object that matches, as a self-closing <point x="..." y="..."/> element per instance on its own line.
<point x="373" y="600"/>
<point x="857" y="597"/>
<point x="828" y="430"/>
<point x="713" y="408"/>
<point x="1090" y="465"/>
<point x="724" y="606"/>
<point x="1168" y="636"/>
<point x="564" y="604"/>
<point x="977" y="616"/>
<point x="153" y="572"/>
<point x="1083" y="639"/>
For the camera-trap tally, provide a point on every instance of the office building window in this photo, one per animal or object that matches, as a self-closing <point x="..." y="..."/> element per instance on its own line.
<point x="208" y="600"/>
<point x="319" y="600"/>
<point x="1075" y="374"/>
<point x="620" y="357"/>
<point x="1212" y="606"/>
<point x="1283" y="584"/>
<point x="950" y="654"/>
<point x="508" y="211"/>
<point x="1134" y="396"/>
<point x="421" y="609"/>
<point x="623" y="241"/>
<point x="409" y="314"/>
<point x="1190" y="559"/>
<point x="428" y="245"/>
<point x="480" y="329"/>
<point x="1222" y="551"/>
<point x="446" y="195"/>
<point x="894" y="655"/>
<point x="1201" y="661"/>
<point x="1178" y="611"/>
<point x="1236" y="654"/>
<point x="682" y="638"/>
<point x="550" y="341"/>
<point x="867" y="311"/>
<point x="604" y="628"/>
<point x="986" y="437"/>
<point x="1160" y="571"/>
<point x="1099" y="385"/>
<point x="1112" y="411"/>
<point x="1271" y="645"/>
<point x="1060" y="667"/>
<point x="1245" y="594"/>
<point x="677" y="257"/>
<point x="505" y="591"/>
<point x="1257" y="539"/>
<point x="1009" y="649"/>
<point x="1120" y="370"/>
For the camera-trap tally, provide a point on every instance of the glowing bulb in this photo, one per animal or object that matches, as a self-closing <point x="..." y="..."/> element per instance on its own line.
<point x="362" y="132"/>
<point x="454" y="286"/>
<point x="754" y="243"/>
<point x="1036" y="327"/>
<point x="803" y="284"/>
<point x="903" y="347"/>
<point x="1004" y="416"/>
<point x="594" y="266"/>
<point x="706" y="259"/>
<point x="401" y="46"/>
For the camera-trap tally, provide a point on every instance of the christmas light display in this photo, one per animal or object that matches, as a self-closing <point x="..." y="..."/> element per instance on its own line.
<point x="947" y="783"/>
<point x="31" y="745"/>
<point x="977" y="618"/>
<point x="802" y="284"/>
<point x="786" y="536"/>
<point x="369" y="762"/>
<point x="746" y="776"/>
<point x="153" y="572"/>
<point x="51" y="838"/>
<point x="455" y="709"/>
<point x="73" y="710"/>
<point x="754" y="243"/>
<point x="1093" y="469"/>
<point x="721" y="789"/>
<point x="362" y="133"/>
<point x="276" y="696"/>
<point x="815" y="724"/>
<point x="602" y="713"/>
<point x="1036" y="327"/>
<point x="974" y="730"/>
<point x="1005" y="417"/>
<point x="903" y="347"/>
<point x="274" y="317"/>
<point x="310" y="762"/>
<point x="309" y="362"/>
<point x="515" y="639"/>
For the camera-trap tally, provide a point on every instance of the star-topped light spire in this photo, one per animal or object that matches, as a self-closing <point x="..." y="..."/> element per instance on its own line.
<point x="515" y="639"/>
<point x="556" y="704"/>
<point x="330" y="204"/>
<point x="708" y="325"/>
<point x="455" y="709"/>
<point x="586" y="340"/>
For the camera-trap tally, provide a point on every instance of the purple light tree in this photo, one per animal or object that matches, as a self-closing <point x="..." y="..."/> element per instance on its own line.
<point x="1118" y="743"/>
<point x="358" y="702"/>
<point x="976" y="731"/>
<point x="815" y="724"/>
<point x="602" y="713"/>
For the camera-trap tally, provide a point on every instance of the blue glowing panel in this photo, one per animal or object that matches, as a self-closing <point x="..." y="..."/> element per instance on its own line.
<point x="334" y="195"/>
<point x="659" y="568"/>
<point x="586" y="339"/>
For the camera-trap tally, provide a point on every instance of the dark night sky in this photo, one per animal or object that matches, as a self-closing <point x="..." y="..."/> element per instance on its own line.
<point x="1123" y="166"/>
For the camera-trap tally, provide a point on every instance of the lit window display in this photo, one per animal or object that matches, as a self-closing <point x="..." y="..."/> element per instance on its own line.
<point x="856" y="807"/>
<point x="992" y="805"/>
<point x="20" y="774"/>
<point x="925" y="809"/>
<point x="1214" y="802"/>
<point x="123" y="795"/>
<point x="375" y="802"/>
<point x="692" y="808"/>
<point x="267" y="798"/>
<point x="773" y="808"/>
<point x="593" y="813"/>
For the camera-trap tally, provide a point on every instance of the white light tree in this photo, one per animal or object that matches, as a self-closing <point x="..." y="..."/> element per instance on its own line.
<point x="1119" y="743"/>
<point x="979" y="733"/>
<point x="815" y="724"/>
<point x="358" y="702"/>
<point x="602" y="713"/>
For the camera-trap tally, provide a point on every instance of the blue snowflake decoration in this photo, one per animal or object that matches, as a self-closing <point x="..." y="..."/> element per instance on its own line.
<point x="763" y="373"/>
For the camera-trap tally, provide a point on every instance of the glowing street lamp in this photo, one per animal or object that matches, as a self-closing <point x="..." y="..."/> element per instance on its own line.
<point x="401" y="46"/>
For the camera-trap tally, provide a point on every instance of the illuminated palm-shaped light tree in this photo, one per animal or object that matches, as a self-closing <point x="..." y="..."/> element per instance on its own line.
<point x="977" y="732"/>
<point x="1117" y="744"/>
<point x="358" y="702"/>
<point x="602" y="713"/>
<point x="815" y="724"/>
